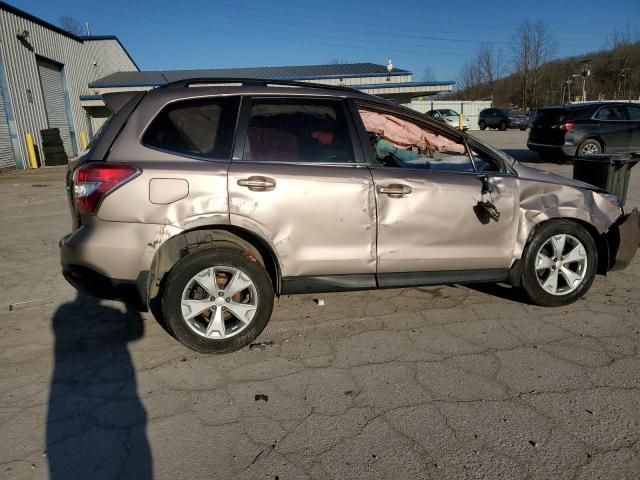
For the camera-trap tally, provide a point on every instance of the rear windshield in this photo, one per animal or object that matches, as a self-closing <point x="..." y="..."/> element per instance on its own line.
<point x="553" y="116"/>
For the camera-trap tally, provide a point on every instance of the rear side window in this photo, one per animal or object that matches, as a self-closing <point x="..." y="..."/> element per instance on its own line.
<point x="614" y="113"/>
<point x="202" y="127"/>
<point x="298" y="130"/>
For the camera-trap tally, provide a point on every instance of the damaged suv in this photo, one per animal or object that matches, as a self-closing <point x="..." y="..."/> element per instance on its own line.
<point x="205" y="198"/>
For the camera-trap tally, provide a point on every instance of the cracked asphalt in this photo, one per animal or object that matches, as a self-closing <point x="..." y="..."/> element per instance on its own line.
<point x="443" y="382"/>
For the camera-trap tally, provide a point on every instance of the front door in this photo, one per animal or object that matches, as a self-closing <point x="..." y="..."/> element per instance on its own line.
<point x="614" y="128"/>
<point x="431" y="228"/>
<point x="297" y="181"/>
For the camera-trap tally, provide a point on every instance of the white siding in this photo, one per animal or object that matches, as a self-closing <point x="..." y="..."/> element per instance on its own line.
<point x="76" y="56"/>
<point x="470" y="110"/>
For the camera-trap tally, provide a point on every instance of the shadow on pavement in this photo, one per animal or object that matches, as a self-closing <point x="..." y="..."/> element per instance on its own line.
<point x="500" y="290"/>
<point x="96" y="424"/>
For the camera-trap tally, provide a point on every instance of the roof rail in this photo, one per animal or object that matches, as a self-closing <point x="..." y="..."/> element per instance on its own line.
<point x="263" y="82"/>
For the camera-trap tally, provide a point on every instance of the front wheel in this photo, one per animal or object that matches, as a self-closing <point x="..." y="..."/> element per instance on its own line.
<point x="560" y="263"/>
<point x="482" y="125"/>
<point x="502" y="125"/>
<point x="217" y="300"/>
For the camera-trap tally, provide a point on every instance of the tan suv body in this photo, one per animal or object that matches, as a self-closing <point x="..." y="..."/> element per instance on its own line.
<point x="206" y="199"/>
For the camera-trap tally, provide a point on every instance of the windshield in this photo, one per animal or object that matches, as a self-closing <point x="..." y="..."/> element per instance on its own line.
<point x="448" y="113"/>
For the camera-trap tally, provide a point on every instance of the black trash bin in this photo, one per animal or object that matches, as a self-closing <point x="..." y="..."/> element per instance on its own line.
<point x="609" y="172"/>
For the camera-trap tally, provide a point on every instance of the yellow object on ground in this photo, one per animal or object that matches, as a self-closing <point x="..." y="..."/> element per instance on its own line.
<point x="31" y="151"/>
<point x="83" y="140"/>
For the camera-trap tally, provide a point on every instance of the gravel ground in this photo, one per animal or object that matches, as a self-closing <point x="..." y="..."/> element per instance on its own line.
<point x="439" y="382"/>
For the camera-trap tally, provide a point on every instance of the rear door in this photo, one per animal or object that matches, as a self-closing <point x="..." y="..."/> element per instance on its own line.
<point x="614" y="128"/>
<point x="297" y="181"/>
<point x="634" y="124"/>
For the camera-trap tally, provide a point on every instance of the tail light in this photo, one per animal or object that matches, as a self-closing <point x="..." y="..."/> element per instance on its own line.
<point x="95" y="180"/>
<point x="564" y="127"/>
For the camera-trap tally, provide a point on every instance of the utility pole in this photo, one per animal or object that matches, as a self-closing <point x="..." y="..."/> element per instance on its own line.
<point x="585" y="71"/>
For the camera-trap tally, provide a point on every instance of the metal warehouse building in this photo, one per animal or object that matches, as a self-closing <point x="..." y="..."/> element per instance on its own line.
<point x="44" y="71"/>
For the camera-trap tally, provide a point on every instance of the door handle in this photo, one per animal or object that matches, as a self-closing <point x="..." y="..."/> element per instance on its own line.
<point x="257" y="184"/>
<point x="395" y="190"/>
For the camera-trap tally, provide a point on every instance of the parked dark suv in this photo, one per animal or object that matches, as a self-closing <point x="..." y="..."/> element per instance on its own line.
<point x="502" y="118"/>
<point x="584" y="129"/>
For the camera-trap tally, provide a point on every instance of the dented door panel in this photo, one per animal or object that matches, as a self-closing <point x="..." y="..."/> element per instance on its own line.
<point x="437" y="226"/>
<point x="320" y="219"/>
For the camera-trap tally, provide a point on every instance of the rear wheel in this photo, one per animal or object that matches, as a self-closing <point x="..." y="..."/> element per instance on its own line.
<point x="482" y="125"/>
<point x="560" y="263"/>
<point x="217" y="300"/>
<point x="502" y="125"/>
<point x="589" y="147"/>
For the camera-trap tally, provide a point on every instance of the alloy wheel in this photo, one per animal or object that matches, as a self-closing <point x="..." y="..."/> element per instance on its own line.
<point x="219" y="302"/>
<point x="561" y="264"/>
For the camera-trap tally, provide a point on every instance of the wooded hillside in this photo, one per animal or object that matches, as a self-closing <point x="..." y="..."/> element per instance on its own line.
<point x="535" y="79"/>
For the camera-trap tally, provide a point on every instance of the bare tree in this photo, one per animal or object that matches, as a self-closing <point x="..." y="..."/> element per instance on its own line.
<point x="338" y="61"/>
<point x="490" y="63"/>
<point x="470" y="78"/>
<point x="71" y="25"/>
<point x="533" y="45"/>
<point x="428" y="75"/>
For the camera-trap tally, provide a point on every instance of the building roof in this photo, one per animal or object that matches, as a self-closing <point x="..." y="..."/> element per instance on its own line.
<point x="297" y="72"/>
<point x="61" y="31"/>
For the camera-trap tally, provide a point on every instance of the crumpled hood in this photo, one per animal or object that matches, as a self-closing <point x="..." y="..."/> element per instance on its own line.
<point x="529" y="173"/>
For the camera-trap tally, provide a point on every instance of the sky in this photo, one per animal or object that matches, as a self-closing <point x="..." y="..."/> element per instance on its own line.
<point x="415" y="34"/>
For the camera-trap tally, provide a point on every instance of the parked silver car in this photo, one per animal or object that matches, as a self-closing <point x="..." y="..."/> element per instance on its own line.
<point x="450" y="117"/>
<point x="204" y="201"/>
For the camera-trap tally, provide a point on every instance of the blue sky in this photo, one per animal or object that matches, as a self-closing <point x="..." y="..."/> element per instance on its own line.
<point x="442" y="35"/>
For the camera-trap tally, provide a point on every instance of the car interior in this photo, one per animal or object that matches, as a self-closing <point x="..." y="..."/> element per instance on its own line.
<point x="397" y="142"/>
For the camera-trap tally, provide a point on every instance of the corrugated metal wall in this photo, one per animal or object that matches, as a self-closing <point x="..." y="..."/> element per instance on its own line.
<point x="83" y="62"/>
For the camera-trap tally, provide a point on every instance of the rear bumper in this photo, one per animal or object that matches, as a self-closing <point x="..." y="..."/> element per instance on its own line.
<point x="567" y="150"/>
<point x="629" y="231"/>
<point x="131" y="292"/>
<point x="84" y="275"/>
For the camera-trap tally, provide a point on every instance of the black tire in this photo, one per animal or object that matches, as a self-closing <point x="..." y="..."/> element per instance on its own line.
<point x="502" y="125"/>
<point x="530" y="279"/>
<point x="482" y="125"/>
<point x="196" y="262"/>
<point x="53" y="149"/>
<point x="522" y="129"/>
<point x="592" y="147"/>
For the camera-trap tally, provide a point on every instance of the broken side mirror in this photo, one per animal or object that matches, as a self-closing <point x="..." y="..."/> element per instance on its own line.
<point x="485" y="210"/>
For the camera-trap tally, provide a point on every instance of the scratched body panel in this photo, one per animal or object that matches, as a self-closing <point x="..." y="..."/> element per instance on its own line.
<point x="320" y="219"/>
<point x="435" y="227"/>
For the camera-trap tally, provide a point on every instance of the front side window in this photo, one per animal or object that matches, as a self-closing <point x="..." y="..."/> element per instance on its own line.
<point x="401" y="143"/>
<point x="634" y="113"/>
<point x="201" y="127"/>
<point x="298" y="130"/>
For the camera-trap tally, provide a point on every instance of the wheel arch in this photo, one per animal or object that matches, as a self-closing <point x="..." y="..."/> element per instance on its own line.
<point x="254" y="247"/>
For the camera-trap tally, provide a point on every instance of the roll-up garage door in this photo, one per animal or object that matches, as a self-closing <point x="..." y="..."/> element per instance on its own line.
<point x="7" y="155"/>
<point x="53" y="91"/>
